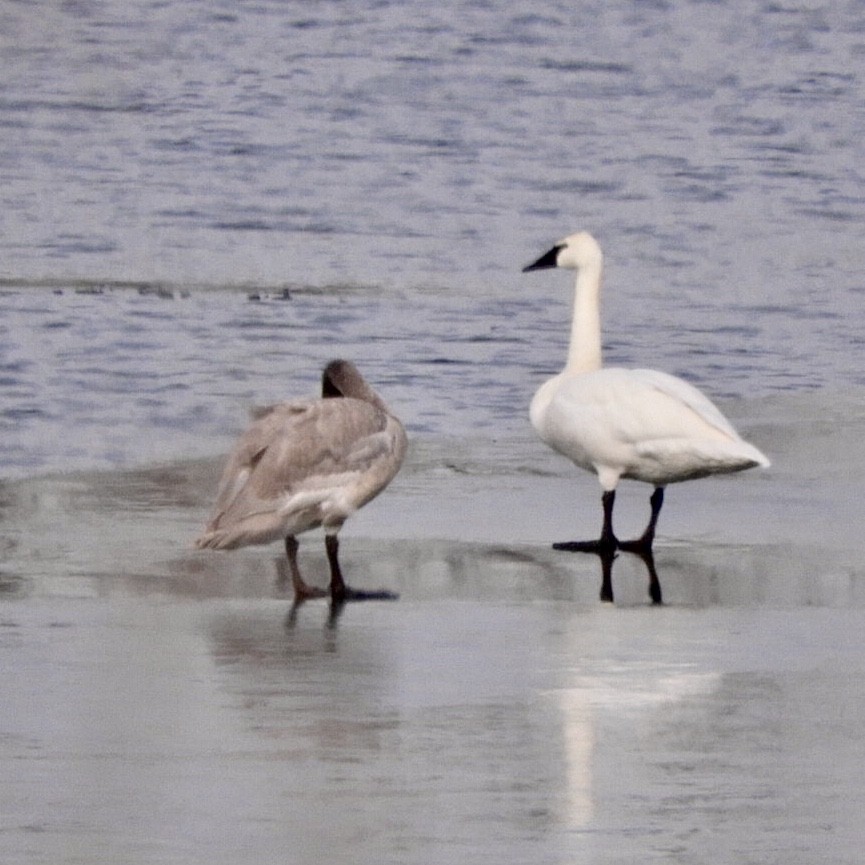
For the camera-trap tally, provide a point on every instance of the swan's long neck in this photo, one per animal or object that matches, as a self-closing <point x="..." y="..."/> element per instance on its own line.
<point x="584" y="353"/>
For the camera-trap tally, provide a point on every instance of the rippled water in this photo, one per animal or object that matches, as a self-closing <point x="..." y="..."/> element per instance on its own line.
<point x="408" y="144"/>
<point x="403" y="161"/>
<point x="120" y="379"/>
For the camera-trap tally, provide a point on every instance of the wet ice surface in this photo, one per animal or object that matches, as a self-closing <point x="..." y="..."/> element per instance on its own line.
<point x="452" y="728"/>
<point x="164" y="704"/>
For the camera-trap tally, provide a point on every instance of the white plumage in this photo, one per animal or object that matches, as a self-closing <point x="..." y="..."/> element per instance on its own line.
<point x="618" y="423"/>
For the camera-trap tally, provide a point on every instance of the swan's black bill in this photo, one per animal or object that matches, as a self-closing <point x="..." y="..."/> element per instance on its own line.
<point x="547" y="260"/>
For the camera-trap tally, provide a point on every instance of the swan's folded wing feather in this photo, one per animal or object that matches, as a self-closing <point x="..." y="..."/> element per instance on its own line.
<point x="687" y="394"/>
<point x="330" y="438"/>
<point x="670" y="460"/>
<point x="300" y="448"/>
<point x="249" y="450"/>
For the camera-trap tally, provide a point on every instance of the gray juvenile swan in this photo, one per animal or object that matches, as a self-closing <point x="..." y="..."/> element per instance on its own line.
<point x="626" y="423"/>
<point x="304" y="464"/>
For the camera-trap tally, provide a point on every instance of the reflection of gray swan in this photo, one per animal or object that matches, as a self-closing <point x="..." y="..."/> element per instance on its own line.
<point x="304" y="464"/>
<point x="626" y="423"/>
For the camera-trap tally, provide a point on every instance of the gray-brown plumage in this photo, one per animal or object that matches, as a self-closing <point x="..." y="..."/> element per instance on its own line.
<point x="304" y="464"/>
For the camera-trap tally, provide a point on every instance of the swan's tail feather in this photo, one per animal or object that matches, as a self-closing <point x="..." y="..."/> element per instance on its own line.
<point x="756" y="458"/>
<point x="672" y="460"/>
<point x="243" y="535"/>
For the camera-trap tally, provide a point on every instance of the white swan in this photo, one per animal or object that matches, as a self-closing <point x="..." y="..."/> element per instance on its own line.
<point x="304" y="464"/>
<point x="626" y="423"/>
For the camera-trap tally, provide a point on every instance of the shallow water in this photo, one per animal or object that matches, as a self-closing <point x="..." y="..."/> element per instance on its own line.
<point x="393" y="166"/>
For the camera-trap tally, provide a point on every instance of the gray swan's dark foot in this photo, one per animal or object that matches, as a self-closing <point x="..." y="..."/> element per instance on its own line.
<point x="349" y="594"/>
<point x="308" y="593"/>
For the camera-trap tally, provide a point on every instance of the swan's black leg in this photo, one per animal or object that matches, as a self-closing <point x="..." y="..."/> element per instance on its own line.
<point x="339" y="591"/>
<point x="643" y="544"/>
<point x="606" y="543"/>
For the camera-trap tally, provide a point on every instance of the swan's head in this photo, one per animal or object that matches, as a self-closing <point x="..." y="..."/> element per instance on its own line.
<point x="574" y="252"/>
<point x="341" y="378"/>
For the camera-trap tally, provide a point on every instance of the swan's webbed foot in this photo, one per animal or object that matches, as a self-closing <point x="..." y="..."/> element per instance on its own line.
<point x="340" y="593"/>
<point x="600" y="547"/>
<point x="304" y="592"/>
<point x="346" y="593"/>
<point x="607" y="543"/>
<point x="606" y="546"/>
<point x="639" y="546"/>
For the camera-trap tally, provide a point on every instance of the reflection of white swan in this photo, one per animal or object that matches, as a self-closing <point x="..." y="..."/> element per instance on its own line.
<point x="305" y="464"/>
<point x="618" y="423"/>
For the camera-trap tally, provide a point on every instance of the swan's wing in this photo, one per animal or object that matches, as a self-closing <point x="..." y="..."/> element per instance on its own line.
<point x="641" y="424"/>
<point x="251" y="447"/>
<point x="683" y="454"/>
<point x="687" y="394"/>
<point x="296" y="454"/>
<point x="331" y="439"/>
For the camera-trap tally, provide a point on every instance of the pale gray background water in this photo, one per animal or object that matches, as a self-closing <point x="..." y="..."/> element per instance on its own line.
<point x="394" y="165"/>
